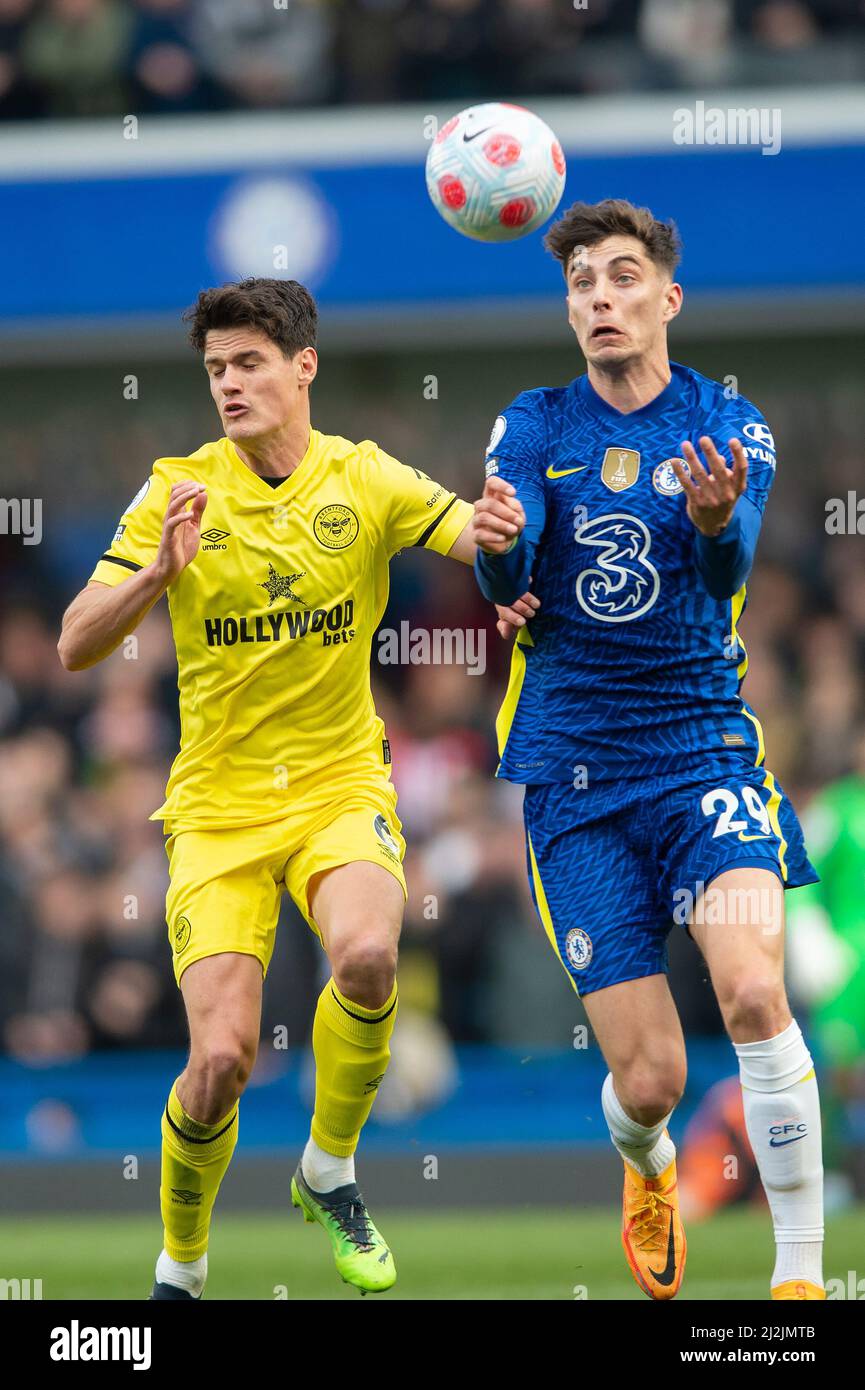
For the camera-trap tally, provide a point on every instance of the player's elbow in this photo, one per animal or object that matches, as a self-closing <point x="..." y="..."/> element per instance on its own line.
<point x="726" y="586"/>
<point x="723" y="592"/>
<point x="724" y="582"/>
<point x="70" y="659"/>
<point x="73" y="655"/>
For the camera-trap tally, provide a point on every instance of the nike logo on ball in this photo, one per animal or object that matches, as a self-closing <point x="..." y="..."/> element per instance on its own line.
<point x="474" y="136"/>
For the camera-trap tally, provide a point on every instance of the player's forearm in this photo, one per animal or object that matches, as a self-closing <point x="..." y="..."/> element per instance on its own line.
<point x="724" y="562"/>
<point x="96" y="622"/>
<point x="503" y="578"/>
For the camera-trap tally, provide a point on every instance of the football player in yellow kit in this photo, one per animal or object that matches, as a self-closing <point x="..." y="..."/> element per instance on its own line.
<point x="282" y="779"/>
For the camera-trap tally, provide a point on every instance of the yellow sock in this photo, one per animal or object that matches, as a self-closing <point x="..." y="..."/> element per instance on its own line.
<point x="194" y="1160"/>
<point x="351" y="1056"/>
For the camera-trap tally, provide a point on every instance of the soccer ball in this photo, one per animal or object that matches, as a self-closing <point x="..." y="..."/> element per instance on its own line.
<point x="495" y="172"/>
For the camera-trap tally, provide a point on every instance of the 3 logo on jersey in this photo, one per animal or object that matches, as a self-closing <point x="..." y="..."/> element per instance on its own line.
<point x="623" y="584"/>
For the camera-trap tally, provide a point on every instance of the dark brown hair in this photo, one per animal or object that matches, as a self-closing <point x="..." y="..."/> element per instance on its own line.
<point x="284" y="310"/>
<point x="585" y="224"/>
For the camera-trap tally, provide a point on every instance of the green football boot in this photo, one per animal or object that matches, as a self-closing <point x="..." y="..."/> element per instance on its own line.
<point x="362" y="1257"/>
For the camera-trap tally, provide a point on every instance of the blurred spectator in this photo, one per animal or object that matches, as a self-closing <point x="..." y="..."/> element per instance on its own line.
<point x="98" y="57"/>
<point x="693" y="36"/>
<point x="779" y="24"/>
<point x="164" y="63"/>
<point x="21" y="98"/>
<point x="445" y="50"/>
<point x="267" y="54"/>
<point x="367" y="50"/>
<point x="76" y="50"/>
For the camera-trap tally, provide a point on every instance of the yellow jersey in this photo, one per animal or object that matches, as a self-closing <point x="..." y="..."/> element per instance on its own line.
<point x="274" y="618"/>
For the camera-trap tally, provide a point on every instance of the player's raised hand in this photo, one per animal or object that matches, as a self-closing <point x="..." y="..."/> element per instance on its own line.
<point x="712" y="495"/>
<point x="181" y="529"/>
<point x="499" y="517"/>
<point x="512" y="618"/>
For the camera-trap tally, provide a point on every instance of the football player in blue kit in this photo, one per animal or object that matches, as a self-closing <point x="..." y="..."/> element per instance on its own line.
<point x="633" y="498"/>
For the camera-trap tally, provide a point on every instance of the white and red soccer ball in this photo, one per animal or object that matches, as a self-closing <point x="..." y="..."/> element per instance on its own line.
<point x="495" y="172"/>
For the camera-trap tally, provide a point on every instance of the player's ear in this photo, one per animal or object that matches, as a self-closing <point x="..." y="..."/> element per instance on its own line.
<point x="308" y="365"/>
<point x="673" y="301"/>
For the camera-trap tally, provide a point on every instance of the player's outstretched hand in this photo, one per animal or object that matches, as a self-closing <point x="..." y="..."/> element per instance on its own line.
<point x="512" y="618"/>
<point x="712" y="495"/>
<point x="181" y="529"/>
<point x="499" y="517"/>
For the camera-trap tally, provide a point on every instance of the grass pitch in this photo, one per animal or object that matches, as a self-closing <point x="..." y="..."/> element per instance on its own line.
<point x="524" y="1253"/>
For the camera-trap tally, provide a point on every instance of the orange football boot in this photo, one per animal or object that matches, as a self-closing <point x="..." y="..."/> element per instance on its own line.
<point x="798" y="1288"/>
<point x="653" y="1236"/>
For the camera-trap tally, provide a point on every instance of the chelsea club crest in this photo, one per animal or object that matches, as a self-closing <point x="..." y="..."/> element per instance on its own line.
<point x="578" y="948"/>
<point x="664" y="479"/>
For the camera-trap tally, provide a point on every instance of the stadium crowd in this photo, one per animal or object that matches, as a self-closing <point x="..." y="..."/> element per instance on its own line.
<point x="84" y="960"/>
<point x="62" y="58"/>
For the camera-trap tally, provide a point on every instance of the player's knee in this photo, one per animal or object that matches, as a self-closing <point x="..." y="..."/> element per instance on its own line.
<point x="650" y="1092"/>
<point x="364" y="967"/>
<point x="755" y="1005"/>
<point x="224" y="1065"/>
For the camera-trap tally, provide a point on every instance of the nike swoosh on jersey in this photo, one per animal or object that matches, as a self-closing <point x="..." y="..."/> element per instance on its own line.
<point x="563" y="472"/>
<point x="747" y="838"/>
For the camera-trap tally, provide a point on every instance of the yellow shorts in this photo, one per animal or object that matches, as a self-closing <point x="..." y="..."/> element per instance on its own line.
<point x="226" y="885"/>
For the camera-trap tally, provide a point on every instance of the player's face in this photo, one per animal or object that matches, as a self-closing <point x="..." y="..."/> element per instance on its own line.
<point x="256" y="389"/>
<point x="619" y="301"/>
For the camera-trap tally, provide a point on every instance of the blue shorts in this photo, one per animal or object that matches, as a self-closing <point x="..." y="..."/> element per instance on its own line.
<point x="608" y="890"/>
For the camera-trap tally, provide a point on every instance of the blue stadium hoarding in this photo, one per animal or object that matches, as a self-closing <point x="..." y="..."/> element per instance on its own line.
<point x="105" y="231"/>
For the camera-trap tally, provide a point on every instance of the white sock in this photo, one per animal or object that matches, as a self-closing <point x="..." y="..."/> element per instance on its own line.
<point x="324" y="1171"/>
<point x="190" y="1275"/>
<point x="782" y="1117"/>
<point x="646" y="1147"/>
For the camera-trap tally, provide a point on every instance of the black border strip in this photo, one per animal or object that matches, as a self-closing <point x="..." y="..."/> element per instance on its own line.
<point x="188" y="1137"/>
<point x="422" y="540"/>
<point x="359" y="1017"/>
<point x="127" y="564"/>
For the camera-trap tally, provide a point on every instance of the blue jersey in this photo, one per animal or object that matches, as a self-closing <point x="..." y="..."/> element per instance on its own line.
<point x="632" y="666"/>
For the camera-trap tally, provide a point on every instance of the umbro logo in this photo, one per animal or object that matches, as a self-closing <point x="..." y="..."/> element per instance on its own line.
<point x="214" y="538"/>
<point x="185" y="1197"/>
